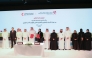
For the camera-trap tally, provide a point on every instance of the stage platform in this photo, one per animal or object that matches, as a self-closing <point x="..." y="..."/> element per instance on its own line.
<point x="9" y="53"/>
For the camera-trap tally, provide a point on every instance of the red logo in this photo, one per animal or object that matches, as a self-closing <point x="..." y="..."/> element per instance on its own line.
<point x="22" y="14"/>
<point x="25" y="14"/>
<point x="54" y="12"/>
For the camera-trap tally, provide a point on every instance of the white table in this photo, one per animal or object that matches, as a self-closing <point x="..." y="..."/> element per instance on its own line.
<point x="33" y="50"/>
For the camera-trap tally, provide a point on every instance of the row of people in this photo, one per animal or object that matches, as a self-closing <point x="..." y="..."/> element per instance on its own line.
<point x="80" y="40"/>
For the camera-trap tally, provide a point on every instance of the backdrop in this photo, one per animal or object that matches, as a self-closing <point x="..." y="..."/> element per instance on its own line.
<point x="47" y="18"/>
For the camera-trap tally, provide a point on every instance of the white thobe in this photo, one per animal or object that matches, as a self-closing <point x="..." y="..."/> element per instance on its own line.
<point x="19" y="36"/>
<point x="5" y="43"/>
<point x="67" y="41"/>
<point x="32" y="39"/>
<point x="46" y="42"/>
<point x="61" y="41"/>
<point x="25" y="36"/>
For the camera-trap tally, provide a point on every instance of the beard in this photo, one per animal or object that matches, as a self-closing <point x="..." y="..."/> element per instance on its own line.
<point x="60" y="31"/>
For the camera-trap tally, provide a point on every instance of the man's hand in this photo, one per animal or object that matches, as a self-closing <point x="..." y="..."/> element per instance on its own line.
<point x="53" y="39"/>
<point x="82" y="39"/>
<point x="15" y="38"/>
<point x="87" y="39"/>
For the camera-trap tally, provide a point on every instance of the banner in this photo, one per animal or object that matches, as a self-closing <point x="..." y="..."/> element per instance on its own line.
<point x="47" y="18"/>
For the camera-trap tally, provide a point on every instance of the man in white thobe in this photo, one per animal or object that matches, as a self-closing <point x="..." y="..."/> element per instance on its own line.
<point x="5" y="43"/>
<point x="61" y="39"/>
<point x="32" y="35"/>
<point x="25" y="36"/>
<point x="67" y="35"/>
<point x="46" y="39"/>
<point x="19" y="35"/>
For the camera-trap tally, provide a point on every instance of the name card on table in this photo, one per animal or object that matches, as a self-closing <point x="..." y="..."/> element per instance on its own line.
<point x="19" y="43"/>
<point x="36" y="43"/>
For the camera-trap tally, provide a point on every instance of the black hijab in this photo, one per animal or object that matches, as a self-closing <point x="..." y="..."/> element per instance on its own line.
<point x="81" y="30"/>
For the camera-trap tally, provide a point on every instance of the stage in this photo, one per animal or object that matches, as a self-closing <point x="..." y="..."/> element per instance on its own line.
<point x="9" y="53"/>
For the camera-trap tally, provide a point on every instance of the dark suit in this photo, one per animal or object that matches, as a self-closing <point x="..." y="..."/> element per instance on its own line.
<point x="81" y="42"/>
<point x="41" y="37"/>
<point x="53" y="43"/>
<point x="13" y="36"/>
<point x="87" y="42"/>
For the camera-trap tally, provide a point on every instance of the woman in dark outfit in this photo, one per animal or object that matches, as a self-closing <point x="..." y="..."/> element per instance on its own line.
<point x="87" y="40"/>
<point x="75" y="40"/>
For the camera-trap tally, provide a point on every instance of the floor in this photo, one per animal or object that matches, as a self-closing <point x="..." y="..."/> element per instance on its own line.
<point x="9" y="53"/>
<point x="4" y="53"/>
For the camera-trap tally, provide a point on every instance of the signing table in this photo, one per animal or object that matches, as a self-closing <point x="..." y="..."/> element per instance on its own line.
<point x="26" y="50"/>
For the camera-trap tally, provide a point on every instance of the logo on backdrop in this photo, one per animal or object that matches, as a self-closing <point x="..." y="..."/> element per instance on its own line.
<point x="26" y="14"/>
<point x="48" y="13"/>
<point x="54" y="12"/>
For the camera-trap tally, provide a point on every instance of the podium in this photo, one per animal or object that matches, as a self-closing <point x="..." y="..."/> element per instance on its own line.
<point x="26" y="50"/>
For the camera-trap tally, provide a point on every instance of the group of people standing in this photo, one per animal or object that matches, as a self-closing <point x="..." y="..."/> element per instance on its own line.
<point x="81" y="41"/>
<point x="53" y="41"/>
<point x="62" y="40"/>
